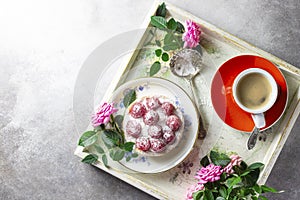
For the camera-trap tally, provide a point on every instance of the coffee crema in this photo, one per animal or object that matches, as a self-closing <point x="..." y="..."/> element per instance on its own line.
<point x="254" y="91"/>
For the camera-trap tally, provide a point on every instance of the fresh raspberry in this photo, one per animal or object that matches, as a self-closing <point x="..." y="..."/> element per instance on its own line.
<point x="157" y="145"/>
<point x="168" y="135"/>
<point x="133" y="128"/>
<point x="173" y="122"/>
<point x="167" y="130"/>
<point x="168" y="108"/>
<point x="155" y="131"/>
<point x="143" y="143"/>
<point x="137" y="110"/>
<point x="151" y="117"/>
<point x="152" y="103"/>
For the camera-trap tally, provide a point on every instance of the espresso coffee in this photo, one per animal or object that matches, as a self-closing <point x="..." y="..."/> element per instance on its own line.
<point x="254" y="91"/>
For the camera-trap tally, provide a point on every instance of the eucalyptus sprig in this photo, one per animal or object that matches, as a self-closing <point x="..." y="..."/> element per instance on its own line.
<point x="107" y="137"/>
<point x="228" y="178"/>
<point x="172" y="40"/>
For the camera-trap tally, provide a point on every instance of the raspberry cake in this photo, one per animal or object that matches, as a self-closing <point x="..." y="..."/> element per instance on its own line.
<point x="154" y="124"/>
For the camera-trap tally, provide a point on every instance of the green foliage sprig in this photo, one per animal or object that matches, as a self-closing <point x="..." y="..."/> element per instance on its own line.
<point x="109" y="138"/>
<point x="228" y="178"/>
<point x="172" y="40"/>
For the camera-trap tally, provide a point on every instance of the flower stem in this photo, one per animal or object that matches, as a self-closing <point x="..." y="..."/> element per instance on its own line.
<point x="116" y="126"/>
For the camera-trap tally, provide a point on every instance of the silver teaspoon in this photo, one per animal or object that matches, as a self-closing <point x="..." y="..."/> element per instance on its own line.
<point x="253" y="138"/>
<point x="187" y="63"/>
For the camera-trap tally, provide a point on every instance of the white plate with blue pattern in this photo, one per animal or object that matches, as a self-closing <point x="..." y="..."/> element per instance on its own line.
<point x="157" y="86"/>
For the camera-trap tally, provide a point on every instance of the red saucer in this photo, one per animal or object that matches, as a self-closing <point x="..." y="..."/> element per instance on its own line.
<point x="222" y="98"/>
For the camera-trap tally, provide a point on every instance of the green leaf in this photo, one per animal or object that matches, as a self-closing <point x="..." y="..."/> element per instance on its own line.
<point x="128" y="146"/>
<point x="99" y="128"/>
<point x="257" y="188"/>
<point x="237" y="170"/>
<point x="204" y="161"/>
<point x="223" y="177"/>
<point x="178" y="39"/>
<point x="251" y="191"/>
<point x="111" y="138"/>
<point x="209" y="185"/>
<point x="114" y="136"/>
<point x="256" y="165"/>
<point x="220" y="198"/>
<point x="158" y="43"/>
<point x="246" y="191"/>
<point x="245" y="173"/>
<point x="197" y="195"/>
<point x="233" y="181"/>
<point x="223" y="191"/>
<point x="159" y="22"/>
<point x="229" y="190"/>
<point x="129" y="98"/>
<point x="128" y="158"/>
<point x="251" y="179"/>
<point x="262" y="197"/>
<point x="165" y="57"/>
<point x="158" y="52"/>
<point x="208" y="195"/>
<point x="172" y="24"/>
<point x="169" y="37"/>
<point x="119" y="120"/>
<point x="219" y="158"/>
<point x="104" y="160"/>
<point x="180" y="28"/>
<point x="243" y="165"/>
<point x="134" y="155"/>
<point x="235" y="192"/>
<point x="90" y="159"/>
<point x="254" y="198"/>
<point x="171" y="46"/>
<point x="99" y="149"/>
<point x="117" y="154"/>
<point x="265" y="189"/>
<point x="88" y="138"/>
<point x="155" y="68"/>
<point x="161" y="10"/>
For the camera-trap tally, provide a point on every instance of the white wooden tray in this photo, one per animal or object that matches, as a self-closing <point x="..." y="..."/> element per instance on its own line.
<point x="219" y="46"/>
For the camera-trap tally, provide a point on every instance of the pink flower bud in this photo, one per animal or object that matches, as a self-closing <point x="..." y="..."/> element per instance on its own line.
<point x="191" y="37"/>
<point x="210" y="173"/>
<point x="192" y="189"/>
<point x="235" y="160"/>
<point x="102" y="115"/>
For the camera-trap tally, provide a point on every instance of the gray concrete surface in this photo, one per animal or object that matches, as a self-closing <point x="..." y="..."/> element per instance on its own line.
<point x="42" y="47"/>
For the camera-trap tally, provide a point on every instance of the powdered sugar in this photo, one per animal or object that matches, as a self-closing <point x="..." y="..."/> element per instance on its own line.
<point x="162" y="124"/>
